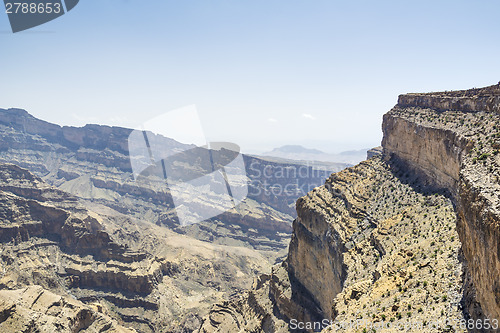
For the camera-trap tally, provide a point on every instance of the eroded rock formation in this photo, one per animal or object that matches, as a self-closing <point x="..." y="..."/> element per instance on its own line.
<point x="453" y="139"/>
<point x="34" y="309"/>
<point x="108" y="265"/>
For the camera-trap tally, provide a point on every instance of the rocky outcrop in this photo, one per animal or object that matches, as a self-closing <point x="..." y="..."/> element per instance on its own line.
<point x="34" y="309"/>
<point x="479" y="229"/>
<point x="316" y="248"/>
<point x="376" y="151"/>
<point x="411" y="235"/>
<point x="27" y="210"/>
<point x="358" y="218"/>
<point x="139" y="278"/>
<point x="434" y="153"/>
<point x="31" y="210"/>
<point x="141" y="275"/>
<point x="90" y="136"/>
<point x="268" y="307"/>
<point x="371" y="244"/>
<point x="472" y="100"/>
<point x="107" y="238"/>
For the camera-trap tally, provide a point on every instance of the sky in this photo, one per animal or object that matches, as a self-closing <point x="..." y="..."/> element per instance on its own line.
<point x="261" y="73"/>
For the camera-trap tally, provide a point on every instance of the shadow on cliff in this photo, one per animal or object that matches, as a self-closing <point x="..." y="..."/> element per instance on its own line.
<point x="420" y="183"/>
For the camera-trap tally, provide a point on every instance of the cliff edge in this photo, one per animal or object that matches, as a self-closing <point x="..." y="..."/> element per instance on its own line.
<point x="452" y="140"/>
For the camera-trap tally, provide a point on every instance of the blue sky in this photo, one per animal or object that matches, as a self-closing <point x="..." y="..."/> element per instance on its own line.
<point x="261" y="73"/>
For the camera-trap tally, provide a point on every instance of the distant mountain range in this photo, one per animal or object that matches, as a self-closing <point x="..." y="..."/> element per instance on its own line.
<point x="300" y="153"/>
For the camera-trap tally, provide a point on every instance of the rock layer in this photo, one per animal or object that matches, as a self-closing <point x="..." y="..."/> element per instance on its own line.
<point x="92" y="162"/>
<point x="33" y="309"/>
<point x="140" y="275"/>
<point x="115" y="240"/>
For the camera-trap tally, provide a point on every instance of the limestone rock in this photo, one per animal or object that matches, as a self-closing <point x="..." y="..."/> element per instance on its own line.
<point x="34" y="309"/>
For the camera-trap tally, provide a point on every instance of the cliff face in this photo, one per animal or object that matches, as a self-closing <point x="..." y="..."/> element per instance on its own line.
<point x="473" y="100"/>
<point x="411" y="235"/>
<point x="48" y="239"/>
<point x="371" y="244"/>
<point x="478" y="226"/>
<point x="453" y="139"/>
<point x="434" y="153"/>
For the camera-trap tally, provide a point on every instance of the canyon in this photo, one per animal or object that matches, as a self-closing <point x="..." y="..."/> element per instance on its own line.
<point x="75" y="224"/>
<point x="409" y="236"/>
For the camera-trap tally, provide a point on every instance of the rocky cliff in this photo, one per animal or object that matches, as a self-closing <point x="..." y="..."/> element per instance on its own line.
<point x="409" y="236"/>
<point x="453" y="139"/>
<point x="33" y="309"/>
<point x="371" y="245"/>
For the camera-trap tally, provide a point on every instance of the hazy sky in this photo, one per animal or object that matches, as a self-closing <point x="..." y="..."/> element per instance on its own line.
<point x="261" y="73"/>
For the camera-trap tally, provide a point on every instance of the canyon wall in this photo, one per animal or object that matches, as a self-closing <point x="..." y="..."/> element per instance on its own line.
<point x="457" y="150"/>
<point x="75" y="221"/>
<point x="434" y="153"/>
<point x="472" y="100"/>
<point x="118" y="270"/>
<point x="440" y="102"/>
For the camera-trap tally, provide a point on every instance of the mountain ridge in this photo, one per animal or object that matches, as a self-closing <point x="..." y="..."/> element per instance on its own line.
<point x="300" y="153"/>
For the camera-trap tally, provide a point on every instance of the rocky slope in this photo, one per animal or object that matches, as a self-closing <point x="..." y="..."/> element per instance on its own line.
<point x="407" y="237"/>
<point x="367" y="245"/>
<point x="114" y="243"/>
<point x="109" y="267"/>
<point x="34" y="309"/>
<point x="458" y="150"/>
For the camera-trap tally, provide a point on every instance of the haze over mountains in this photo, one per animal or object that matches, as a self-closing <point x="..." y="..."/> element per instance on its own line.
<point x="298" y="152"/>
